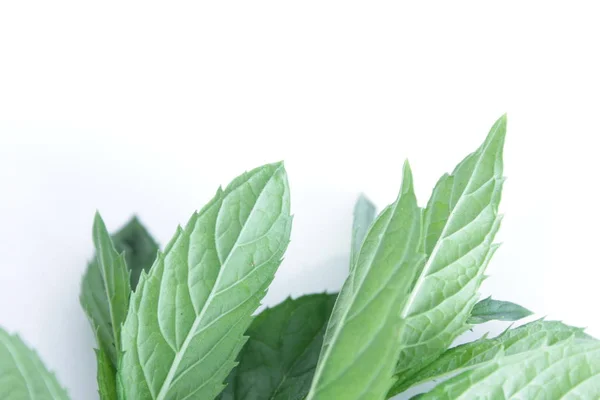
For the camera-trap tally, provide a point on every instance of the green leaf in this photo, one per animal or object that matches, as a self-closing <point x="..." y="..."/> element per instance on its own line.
<point x="105" y="291"/>
<point x="188" y="316"/>
<point x="567" y="370"/>
<point x="360" y="347"/>
<point x="280" y="357"/>
<point x="23" y="376"/>
<point x="490" y="310"/>
<point x="461" y="220"/>
<point x="364" y="214"/>
<point x="139" y="247"/>
<point x="526" y="338"/>
<point x="106" y="376"/>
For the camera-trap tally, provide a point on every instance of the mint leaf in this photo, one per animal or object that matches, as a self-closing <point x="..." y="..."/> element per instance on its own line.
<point x="105" y="291"/>
<point x="567" y="370"/>
<point x="23" y="376"/>
<point x="364" y="214"/>
<point x="512" y="342"/>
<point x="105" y="376"/>
<point x="281" y="354"/>
<point x="139" y="247"/>
<point x="490" y="310"/>
<point x="188" y="316"/>
<point x="360" y="347"/>
<point x="460" y="222"/>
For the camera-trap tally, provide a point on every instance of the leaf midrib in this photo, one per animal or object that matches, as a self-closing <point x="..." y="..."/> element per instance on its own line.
<point x="424" y="272"/>
<point x="11" y="349"/>
<point x="191" y="333"/>
<point x="101" y="267"/>
<point x="343" y="317"/>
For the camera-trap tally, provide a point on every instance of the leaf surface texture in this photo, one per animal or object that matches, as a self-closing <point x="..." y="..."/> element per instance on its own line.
<point x="512" y="342"/>
<point x="360" y="347"/>
<point x="280" y="357"/>
<point x="188" y="316"/>
<point x="569" y="370"/>
<point x="461" y="220"/>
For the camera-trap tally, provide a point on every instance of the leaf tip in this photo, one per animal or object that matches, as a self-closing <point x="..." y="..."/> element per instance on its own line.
<point x="98" y="221"/>
<point x="407" y="178"/>
<point x="498" y="131"/>
<point x="364" y="200"/>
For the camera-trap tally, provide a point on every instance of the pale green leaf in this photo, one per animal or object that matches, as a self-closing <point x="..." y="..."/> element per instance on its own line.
<point x="460" y="222"/>
<point x="364" y="214"/>
<point x="569" y="370"/>
<point x="526" y="338"/>
<point x="188" y="316"/>
<point x="360" y="347"/>
<point x="280" y="357"/>
<point x="23" y="376"/>
<point x="105" y="291"/>
<point x="105" y="376"/>
<point x="495" y="310"/>
<point x="139" y="247"/>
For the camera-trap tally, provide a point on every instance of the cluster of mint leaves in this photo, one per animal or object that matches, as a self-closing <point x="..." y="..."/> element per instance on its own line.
<point x="177" y="323"/>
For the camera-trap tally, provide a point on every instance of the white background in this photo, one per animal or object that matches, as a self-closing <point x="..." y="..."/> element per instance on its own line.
<point x="148" y="107"/>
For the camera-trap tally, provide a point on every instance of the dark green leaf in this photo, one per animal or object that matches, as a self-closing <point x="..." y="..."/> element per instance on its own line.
<point x="490" y="310"/>
<point x="139" y="247"/>
<point x="281" y="354"/>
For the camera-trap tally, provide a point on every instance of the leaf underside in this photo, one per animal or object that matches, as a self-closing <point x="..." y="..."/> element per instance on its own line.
<point x="281" y="354"/>
<point x="23" y="376"/>
<point x="188" y="316"/>
<point x="363" y="329"/>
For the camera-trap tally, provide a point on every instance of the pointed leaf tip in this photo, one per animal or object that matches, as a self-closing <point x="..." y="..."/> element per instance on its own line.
<point x="407" y="178"/>
<point x="276" y="165"/>
<point x="362" y="198"/>
<point x="98" y="218"/>
<point x="364" y="214"/>
<point x="498" y="129"/>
